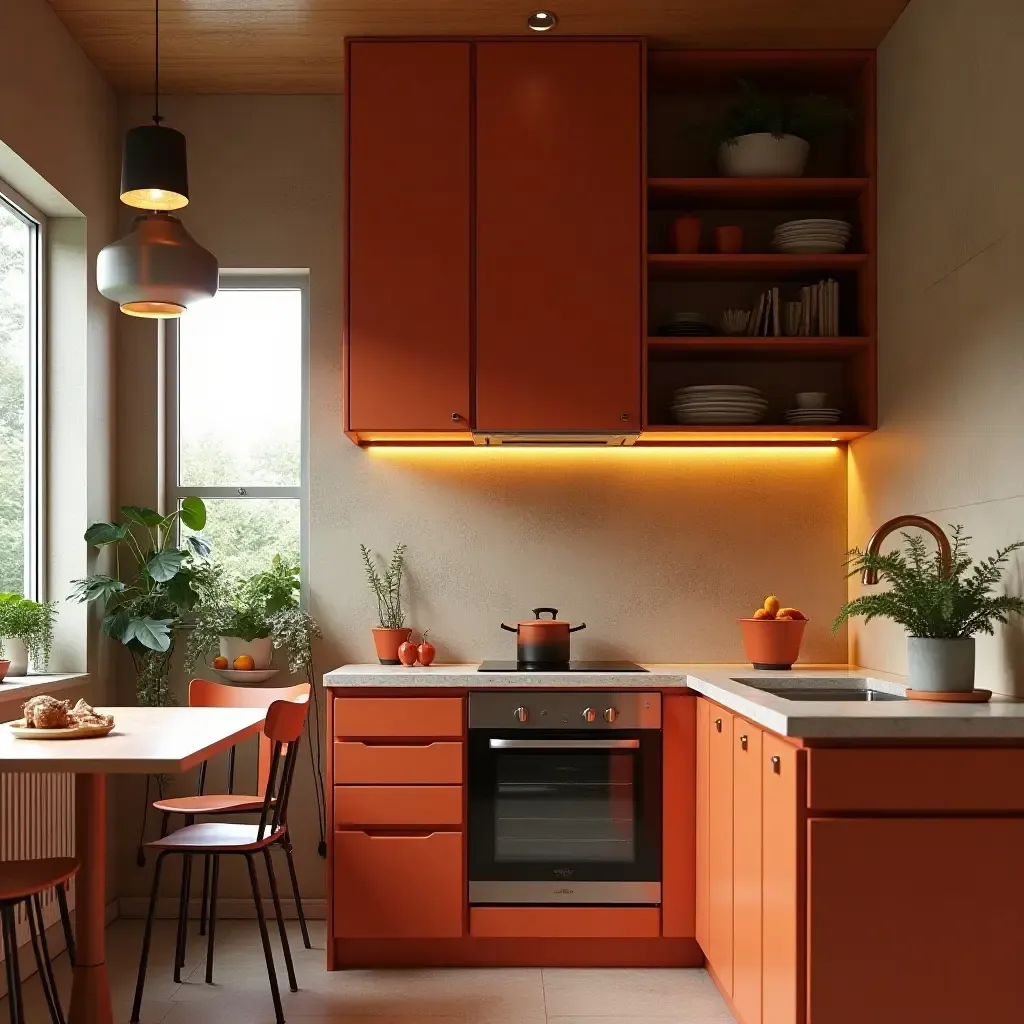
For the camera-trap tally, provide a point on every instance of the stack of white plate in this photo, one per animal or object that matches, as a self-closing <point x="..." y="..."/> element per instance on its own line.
<point x="816" y="234"/>
<point x="719" y="403"/>
<point x="807" y="417"/>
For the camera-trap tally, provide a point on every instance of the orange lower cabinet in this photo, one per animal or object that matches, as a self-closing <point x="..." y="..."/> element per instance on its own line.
<point x="703" y="824"/>
<point x="746" y="980"/>
<point x="782" y="880"/>
<point x="915" y="920"/>
<point x="390" y="886"/>
<point x="678" y="764"/>
<point x="720" y="831"/>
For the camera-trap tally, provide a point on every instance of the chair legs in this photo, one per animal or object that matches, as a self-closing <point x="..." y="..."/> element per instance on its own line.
<point x="146" y="940"/>
<point x="34" y="910"/>
<point x="213" y="917"/>
<point x="265" y="938"/>
<point x="65" y="920"/>
<point x="287" y="844"/>
<point x="205" y="902"/>
<point x="282" y="931"/>
<point x="11" y="964"/>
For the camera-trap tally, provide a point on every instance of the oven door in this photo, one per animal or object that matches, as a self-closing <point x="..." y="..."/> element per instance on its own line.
<point x="565" y="817"/>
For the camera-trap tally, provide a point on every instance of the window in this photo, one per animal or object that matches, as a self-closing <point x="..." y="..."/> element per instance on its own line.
<point x="238" y="416"/>
<point x="21" y="361"/>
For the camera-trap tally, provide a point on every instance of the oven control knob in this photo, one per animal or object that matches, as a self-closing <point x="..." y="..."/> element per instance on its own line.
<point x="589" y="715"/>
<point x="610" y="714"/>
<point x="521" y="715"/>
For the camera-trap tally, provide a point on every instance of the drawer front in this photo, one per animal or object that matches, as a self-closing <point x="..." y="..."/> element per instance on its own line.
<point x="397" y="806"/>
<point x="371" y="718"/>
<point x="398" y="887"/>
<point x="840" y="781"/>
<point x="392" y="764"/>
<point x="565" y="922"/>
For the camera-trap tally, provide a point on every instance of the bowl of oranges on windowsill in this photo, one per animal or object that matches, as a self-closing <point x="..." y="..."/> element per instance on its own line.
<point x="773" y="634"/>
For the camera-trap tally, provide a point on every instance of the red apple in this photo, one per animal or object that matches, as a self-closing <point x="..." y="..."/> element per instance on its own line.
<point x="407" y="653"/>
<point x="426" y="650"/>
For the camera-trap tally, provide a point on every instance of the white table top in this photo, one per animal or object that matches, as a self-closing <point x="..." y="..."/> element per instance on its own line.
<point x="144" y="740"/>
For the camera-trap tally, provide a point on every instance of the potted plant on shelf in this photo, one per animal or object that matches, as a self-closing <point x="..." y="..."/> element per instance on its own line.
<point x="770" y="136"/>
<point x="153" y="589"/>
<point x="26" y="633"/>
<point x="387" y="588"/>
<point x="941" y="609"/>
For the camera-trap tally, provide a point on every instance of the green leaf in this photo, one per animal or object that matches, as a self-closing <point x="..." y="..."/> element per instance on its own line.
<point x="164" y="565"/>
<point x="199" y="544"/>
<point x="152" y="633"/>
<point x="101" y="534"/>
<point x="193" y="513"/>
<point x="116" y="624"/>
<point x="181" y="591"/>
<point x="96" y="588"/>
<point x="142" y="516"/>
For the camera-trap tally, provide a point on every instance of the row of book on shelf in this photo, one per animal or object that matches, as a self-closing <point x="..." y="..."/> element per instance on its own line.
<point x="814" y="315"/>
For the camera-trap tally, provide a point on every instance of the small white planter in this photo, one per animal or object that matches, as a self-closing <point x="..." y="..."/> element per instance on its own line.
<point x="16" y="653"/>
<point x="761" y="155"/>
<point x="260" y="651"/>
<point x="941" y="666"/>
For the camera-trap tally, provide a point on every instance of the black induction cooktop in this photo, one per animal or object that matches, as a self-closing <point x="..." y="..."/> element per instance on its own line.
<point x="573" y="666"/>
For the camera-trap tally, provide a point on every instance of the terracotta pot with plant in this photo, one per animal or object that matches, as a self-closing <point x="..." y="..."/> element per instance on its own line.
<point x="942" y="605"/>
<point x="387" y="588"/>
<point x="26" y="633"/>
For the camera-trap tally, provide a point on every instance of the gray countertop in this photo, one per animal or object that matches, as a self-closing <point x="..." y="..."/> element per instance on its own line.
<point x="1002" y="718"/>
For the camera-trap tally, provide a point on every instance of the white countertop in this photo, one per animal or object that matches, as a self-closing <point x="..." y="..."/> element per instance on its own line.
<point x="1001" y="718"/>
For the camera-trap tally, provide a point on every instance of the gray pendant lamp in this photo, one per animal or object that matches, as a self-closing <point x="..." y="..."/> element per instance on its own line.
<point x="157" y="269"/>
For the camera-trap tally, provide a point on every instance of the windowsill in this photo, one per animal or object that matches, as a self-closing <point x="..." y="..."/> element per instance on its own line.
<point x="23" y="687"/>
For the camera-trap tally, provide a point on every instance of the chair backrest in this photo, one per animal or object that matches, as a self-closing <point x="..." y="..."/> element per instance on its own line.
<point x="203" y="693"/>
<point x="283" y="727"/>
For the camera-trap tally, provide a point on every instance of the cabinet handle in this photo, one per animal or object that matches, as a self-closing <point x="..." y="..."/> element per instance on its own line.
<point x="456" y="416"/>
<point x="743" y="742"/>
<point x="718" y="724"/>
<point x="776" y="764"/>
<point x="624" y="417"/>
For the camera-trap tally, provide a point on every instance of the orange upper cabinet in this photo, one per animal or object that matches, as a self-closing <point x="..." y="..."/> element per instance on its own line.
<point x="408" y="260"/>
<point x="559" y="221"/>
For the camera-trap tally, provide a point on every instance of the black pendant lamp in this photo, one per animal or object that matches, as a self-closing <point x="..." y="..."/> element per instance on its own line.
<point x="158" y="269"/>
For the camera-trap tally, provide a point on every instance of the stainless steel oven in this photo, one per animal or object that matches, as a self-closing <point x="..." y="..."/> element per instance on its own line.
<point x="564" y="797"/>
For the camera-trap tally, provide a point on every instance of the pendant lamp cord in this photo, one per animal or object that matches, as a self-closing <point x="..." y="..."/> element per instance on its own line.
<point x="156" y="67"/>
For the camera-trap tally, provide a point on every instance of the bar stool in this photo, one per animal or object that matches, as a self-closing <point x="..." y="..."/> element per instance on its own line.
<point x="24" y="882"/>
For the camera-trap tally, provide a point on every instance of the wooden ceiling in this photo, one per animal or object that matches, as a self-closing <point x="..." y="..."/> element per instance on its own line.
<point x="296" y="46"/>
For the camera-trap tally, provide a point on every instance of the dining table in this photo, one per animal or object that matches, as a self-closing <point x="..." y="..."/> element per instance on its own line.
<point x="144" y="741"/>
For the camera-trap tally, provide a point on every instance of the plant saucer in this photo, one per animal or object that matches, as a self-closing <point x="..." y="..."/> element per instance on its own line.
<point x="244" y="676"/>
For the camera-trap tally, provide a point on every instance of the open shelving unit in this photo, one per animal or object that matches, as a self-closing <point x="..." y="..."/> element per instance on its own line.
<point x="685" y="89"/>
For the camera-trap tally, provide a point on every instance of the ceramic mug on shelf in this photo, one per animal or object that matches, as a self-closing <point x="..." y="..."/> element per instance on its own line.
<point x="729" y="238"/>
<point x="811" y="399"/>
<point x="686" y="233"/>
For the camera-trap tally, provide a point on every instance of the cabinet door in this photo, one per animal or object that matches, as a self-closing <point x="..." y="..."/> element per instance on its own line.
<point x="678" y="765"/>
<point x="720" y="955"/>
<point x="398" y="886"/>
<point x="746" y="981"/>
<point x="703" y="815"/>
<point x="408" y="215"/>
<point x="559" y="228"/>
<point x="915" y="920"/>
<point x="781" y="879"/>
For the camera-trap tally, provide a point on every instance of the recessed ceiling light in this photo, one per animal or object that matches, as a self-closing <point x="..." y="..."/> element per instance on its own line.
<point x="542" y="21"/>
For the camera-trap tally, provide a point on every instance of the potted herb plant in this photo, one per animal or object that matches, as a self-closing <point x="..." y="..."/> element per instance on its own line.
<point x="387" y="588"/>
<point x="158" y="584"/>
<point x="941" y="610"/>
<point x="26" y="633"/>
<point x="770" y="135"/>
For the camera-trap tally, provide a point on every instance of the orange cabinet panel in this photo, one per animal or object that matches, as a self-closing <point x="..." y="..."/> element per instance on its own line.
<point x="746" y="979"/>
<point x="678" y="844"/>
<point x="720" y="872"/>
<point x="559" y="206"/>
<point x="398" y="887"/>
<point x="915" y="920"/>
<point x="703" y="826"/>
<point x="782" y="880"/>
<point x="383" y="764"/>
<point x="564" y="922"/>
<point x="397" y="806"/>
<point x="915" y="780"/>
<point x="367" y="718"/>
<point x="408" y="210"/>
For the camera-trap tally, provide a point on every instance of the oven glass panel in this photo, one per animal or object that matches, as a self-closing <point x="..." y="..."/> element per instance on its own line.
<point x="565" y="806"/>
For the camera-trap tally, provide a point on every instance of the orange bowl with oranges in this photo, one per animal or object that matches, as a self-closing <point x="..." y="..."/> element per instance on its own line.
<point x="773" y="634"/>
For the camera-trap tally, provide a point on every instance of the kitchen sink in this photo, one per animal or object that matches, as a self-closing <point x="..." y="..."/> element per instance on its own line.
<point x="827" y="689"/>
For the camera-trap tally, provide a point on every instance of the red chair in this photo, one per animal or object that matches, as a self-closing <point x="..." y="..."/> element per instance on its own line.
<point x="24" y="881"/>
<point x="283" y="728"/>
<point x="205" y="694"/>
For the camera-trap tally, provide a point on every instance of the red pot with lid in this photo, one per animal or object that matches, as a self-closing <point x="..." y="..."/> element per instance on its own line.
<point x="543" y="643"/>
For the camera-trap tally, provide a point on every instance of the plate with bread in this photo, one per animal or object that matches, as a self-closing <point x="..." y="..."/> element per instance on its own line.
<point x="47" y="718"/>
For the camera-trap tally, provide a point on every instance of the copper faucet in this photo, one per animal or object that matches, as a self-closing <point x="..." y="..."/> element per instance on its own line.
<point x="870" y="576"/>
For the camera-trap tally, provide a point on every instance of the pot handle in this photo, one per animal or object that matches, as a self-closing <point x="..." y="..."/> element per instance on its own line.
<point x="511" y="629"/>
<point x="537" y="611"/>
<point x="576" y="629"/>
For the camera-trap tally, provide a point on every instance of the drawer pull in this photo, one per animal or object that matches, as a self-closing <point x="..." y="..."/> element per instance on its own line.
<point x="776" y="764"/>
<point x="718" y="724"/>
<point x="743" y="743"/>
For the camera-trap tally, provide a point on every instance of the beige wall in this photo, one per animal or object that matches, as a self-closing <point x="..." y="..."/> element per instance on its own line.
<point x="657" y="551"/>
<point x="951" y="306"/>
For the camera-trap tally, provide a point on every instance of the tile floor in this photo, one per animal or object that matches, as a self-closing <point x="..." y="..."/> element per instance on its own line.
<point x="468" y="996"/>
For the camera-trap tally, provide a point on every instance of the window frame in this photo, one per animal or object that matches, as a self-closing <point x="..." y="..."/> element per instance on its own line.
<point x="34" y="577"/>
<point x="242" y="280"/>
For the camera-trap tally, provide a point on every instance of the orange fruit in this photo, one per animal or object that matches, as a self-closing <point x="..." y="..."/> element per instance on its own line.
<point x="243" y="663"/>
<point x="763" y="613"/>
<point x="771" y="605"/>
<point x="791" y="613"/>
<point x="220" y="662"/>
<point x="783" y="618"/>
